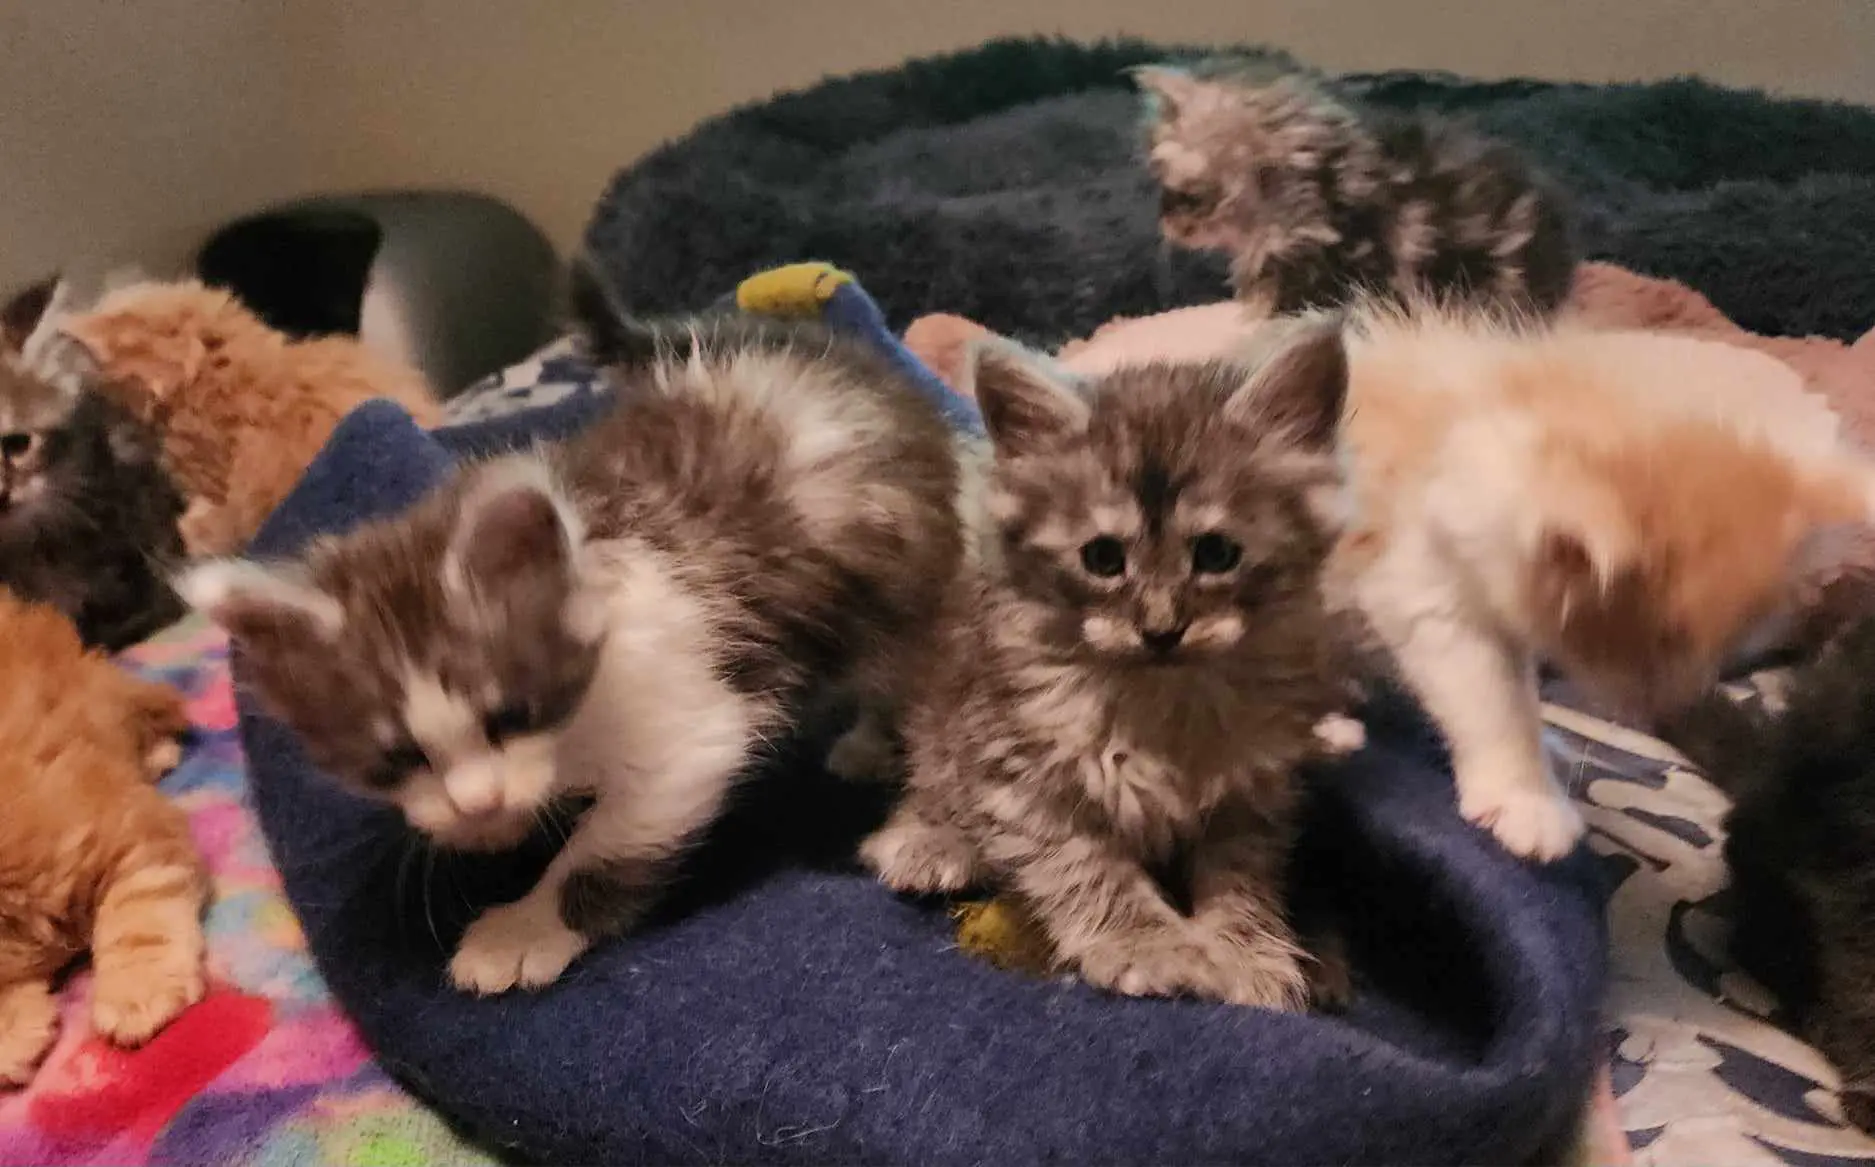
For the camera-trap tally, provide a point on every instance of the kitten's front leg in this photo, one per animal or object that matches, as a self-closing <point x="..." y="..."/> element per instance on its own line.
<point x="146" y="943"/>
<point x="1482" y="692"/>
<point x="29" y="1023"/>
<point x="1102" y="911"/>
<point x="607" y="877"/>
<point x="1238" y="871"/>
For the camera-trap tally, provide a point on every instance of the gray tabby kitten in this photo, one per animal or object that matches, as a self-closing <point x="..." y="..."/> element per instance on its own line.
<point x="767" y="514"/>
<point x="1316" y="199"/>
<point x="1123" y="699"/>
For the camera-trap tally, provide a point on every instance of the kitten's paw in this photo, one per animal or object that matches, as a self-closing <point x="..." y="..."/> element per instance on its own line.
<point x="920" y="858"/>
<point x="1260" y="971"/>
<point x="865" y="753"/>
<point x="132" y="1000"/>
<point x="1340" y="734"/>
<point x="29" y="1021"/>
<point x="1174" y="964"/>
<point x="1532" y="824"/>
<point x="519" y="945"/>
<point x="202" y="532"/>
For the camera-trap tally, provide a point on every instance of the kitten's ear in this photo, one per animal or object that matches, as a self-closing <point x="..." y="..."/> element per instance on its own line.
<point x="250" y="601"/>
<point x="23" y="311"/>
<point x="1585" y="540"/>
<point x="1832" y="577"/>
<point x="515" y="525"/>
<point x="613" y="336"/>
<point x="1168" y="88"/>
<point x="1300" y="388"/>
<point x="1025" y="404"/>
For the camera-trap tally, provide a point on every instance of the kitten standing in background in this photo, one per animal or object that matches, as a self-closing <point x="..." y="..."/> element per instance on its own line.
<point x="1639" y="509"/>
<point x="769" y="512"/>
<point x="92" y="856"/>
<point x="240" y="408"/>
<point x="1316" y="200"/>
<point x="1128" y="694"/>
<point x="88" y="519"/>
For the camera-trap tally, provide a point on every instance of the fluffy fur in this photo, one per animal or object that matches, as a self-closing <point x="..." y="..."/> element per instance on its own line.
<point x="241" y="408"/>
<point x="1121" y="703"/>
<point x="92" y="856"/>
<point x="769" y="512"/>
<point x="1800" y="842"/>
<point x="1316" y="199"/>
<point x="88" y="519"/>
<point x="1639" y="509"/>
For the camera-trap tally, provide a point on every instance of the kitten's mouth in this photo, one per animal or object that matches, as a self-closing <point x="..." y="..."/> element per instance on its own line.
<point x="497" y="832"/>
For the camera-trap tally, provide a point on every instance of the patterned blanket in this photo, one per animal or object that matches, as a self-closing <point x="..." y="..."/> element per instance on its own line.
<point x="266" y="1071"/>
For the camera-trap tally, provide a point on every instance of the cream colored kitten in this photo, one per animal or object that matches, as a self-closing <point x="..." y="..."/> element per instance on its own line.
<point x="1636" y="508"/>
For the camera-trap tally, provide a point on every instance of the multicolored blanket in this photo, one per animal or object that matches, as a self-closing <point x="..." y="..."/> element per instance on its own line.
<point x="265" y="1070"/>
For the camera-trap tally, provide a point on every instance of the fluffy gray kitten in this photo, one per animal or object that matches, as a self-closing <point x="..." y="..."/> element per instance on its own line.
<point x="1117" y="705"/>
<point x="1316" y="199"/>
<point x="767" y="514"/>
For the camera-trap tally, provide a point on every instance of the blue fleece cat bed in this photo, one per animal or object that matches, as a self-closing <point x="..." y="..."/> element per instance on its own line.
<point x="787" y="1008"/>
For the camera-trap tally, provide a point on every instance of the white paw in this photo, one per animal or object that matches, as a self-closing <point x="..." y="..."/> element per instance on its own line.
<point x="1340" y="734"/>
<point x="1534" y="824"/>
<point x="919" y="858"/>
<point x="519" y="945"/>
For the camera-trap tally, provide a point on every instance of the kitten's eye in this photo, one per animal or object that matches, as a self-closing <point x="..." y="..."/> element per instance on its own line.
<point x="17" y="445"/>
<point x="511" y="720"/>
<point x="1215" y="554"/>
<point x="1104" y="556"/>
<point x="398" y="764"/>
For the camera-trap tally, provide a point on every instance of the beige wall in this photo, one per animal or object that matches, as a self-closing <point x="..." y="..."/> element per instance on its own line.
<point x="129" y="127"/>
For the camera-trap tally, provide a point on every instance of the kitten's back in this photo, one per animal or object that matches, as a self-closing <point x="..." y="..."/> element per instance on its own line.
<point x="778" y="462"/>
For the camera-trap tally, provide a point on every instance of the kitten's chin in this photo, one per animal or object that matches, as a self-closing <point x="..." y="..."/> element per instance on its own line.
<point x="497" y="832"/>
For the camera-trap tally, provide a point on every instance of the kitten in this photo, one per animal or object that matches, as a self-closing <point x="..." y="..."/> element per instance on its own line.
<point x="1800" y="843"/>
<point x="769" y="511"/>
<point x="1637" y="509"/>
<point x="87" y="516"/>
<point x="241" y="408"/>
<point x="92" y="856"/>
<point x="1130" y="690"/>
<point x="1316" y="199"/>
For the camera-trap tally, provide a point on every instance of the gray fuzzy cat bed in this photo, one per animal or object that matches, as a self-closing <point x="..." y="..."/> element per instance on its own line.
<point x="1004" y="184"/>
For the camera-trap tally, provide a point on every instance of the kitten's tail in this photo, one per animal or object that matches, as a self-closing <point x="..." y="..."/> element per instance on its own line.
<point x="613" y="336"/>
<point x="1730" y="743"/>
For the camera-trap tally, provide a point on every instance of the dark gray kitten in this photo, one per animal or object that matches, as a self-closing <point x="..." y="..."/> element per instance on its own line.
<point x="87" y="515"/>
<point x="1115" y="712"/>
<point x="1315" y="198"/>
<point x="1800" y="844"/>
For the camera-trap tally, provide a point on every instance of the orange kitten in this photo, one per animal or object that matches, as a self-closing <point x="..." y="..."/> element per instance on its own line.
<point x="1636" y="508"/>
<point x="242" y="407"/>
<point x="92" y="856"/>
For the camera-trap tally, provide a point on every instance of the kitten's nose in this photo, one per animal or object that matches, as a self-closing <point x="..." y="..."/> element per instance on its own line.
<point x="473" y="789"/>
<point x="1162" y="639"/>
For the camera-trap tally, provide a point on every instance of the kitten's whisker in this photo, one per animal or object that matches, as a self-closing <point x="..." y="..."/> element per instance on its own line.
<point x="429" y="914"/>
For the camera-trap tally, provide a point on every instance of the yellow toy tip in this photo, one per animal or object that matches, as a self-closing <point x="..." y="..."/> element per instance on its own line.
<point x="995" y="931"/>
<point x="798" y="289"/>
